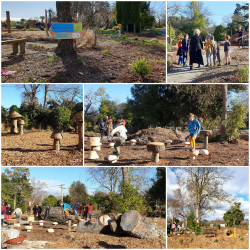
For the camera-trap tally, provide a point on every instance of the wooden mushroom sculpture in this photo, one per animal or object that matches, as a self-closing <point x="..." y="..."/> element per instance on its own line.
<point x="94" y="143"/>
<point x="57" y="136"/>
<point x="14" y="117"/>
<point x="168" y="142"/>
<point x="21" y="123"/>
<point x="78" y="119"/>
<point x="133" y="142"/>
<point x="155" y="148"/>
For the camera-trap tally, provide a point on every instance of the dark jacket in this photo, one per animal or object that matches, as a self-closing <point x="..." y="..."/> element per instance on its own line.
<point x="196" y="43"/>
<point x="241" y="33"/>
<point x="75" y="206"/>
<point x="227" y="45"/>
<point x="184" y="45"/>
<point x="9" y="210"/>
<point x="101" y="124"/>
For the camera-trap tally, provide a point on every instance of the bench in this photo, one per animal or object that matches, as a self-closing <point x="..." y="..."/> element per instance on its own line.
<point x="15" y="43"/>
<point x="210" y="232"/>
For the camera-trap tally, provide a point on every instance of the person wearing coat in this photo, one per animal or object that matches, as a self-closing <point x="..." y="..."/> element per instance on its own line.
<point x="196" y="46"/>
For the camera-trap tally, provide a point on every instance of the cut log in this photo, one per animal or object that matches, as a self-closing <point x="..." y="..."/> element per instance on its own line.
<point x="96" y="226"/>
<point x="137" y="225"/>
<point x="206" y="133"/>
<point x="155" y="148"/>
<point x="94" y="141"/>
<point x="115" y="226"/>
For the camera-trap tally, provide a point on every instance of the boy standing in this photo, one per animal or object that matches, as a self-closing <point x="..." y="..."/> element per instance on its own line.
<point x="194" y="129"/>
<point x="227" y="51"/>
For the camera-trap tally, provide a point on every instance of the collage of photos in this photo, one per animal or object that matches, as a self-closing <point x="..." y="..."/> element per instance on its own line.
<point x="124" y="124"/>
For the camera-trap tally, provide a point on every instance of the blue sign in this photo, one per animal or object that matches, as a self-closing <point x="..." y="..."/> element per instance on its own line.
<point x="62" y="27"/>
<point x="62" y="35"/>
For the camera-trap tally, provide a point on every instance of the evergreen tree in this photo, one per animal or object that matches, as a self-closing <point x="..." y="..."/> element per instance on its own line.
<point x="234" y="216"/>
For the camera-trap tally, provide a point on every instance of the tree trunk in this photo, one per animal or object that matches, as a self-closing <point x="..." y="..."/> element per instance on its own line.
<point x="125" y="173"/>
<point x="198" y="213"/>
<point x="137" y="225"/>
<point x="65" y="46"/>
<point x="46" y="88"/>
<point x="98" y="226"/>
<point x="224" y="112"/>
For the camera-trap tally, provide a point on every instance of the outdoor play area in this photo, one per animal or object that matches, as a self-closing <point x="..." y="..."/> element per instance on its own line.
<point x="154" y="128"/>
<point x="215" y="219"/>
<point x="95" y="217"/>
<point x="42" y="125"/>
<point x="102" y="46"/>
<point x="205" y="25"/>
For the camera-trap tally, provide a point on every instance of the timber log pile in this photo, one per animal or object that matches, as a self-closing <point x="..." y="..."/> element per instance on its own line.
<point x="131" y="223"/>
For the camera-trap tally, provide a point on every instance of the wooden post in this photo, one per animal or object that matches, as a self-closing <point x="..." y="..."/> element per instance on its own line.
<point x="8" y="21"/>
<point x="22" y="48"/>
<point x="169" y="30"/>
<point x="46" y="23"/>
<point x="15" y="48"/>
<point x="69" y="225"/>
<point x="206" y="142"/>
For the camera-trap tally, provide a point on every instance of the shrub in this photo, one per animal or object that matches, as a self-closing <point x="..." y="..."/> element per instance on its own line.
<point x="243" y="74"/>
<point x="180" y="240"/>
<point x="216" y="240"/>
<point x="52" y="59"/>
<point x="60" y="117"/>
<point x="241" y="239"/>
<point x="121" y="42"/>
<point x="79" y="60"/>
<point x="198" y="230"/>
<point x="105" y="52"/>
<point x="123" y="37"/>
<point x="141" y="67"/>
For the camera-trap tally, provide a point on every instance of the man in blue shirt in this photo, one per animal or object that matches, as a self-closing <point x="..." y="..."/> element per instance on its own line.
<point x="240" y="36"/>
<point x="75" y="207"/>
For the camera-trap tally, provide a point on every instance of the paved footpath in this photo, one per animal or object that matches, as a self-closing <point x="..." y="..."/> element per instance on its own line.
<point x="185" y="75"/>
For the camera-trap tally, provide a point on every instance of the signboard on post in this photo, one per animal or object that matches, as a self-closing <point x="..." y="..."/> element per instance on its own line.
<point x="66" y="30"/>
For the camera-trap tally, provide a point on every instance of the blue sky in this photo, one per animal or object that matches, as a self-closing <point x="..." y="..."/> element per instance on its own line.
<point x="219" y="9"/>
<point x="11" y="95"/>
<point x="25" y="9"/>
<point x="54" y="176"/>
<point x="237" y="187"/>
<point x="117" y="92"/>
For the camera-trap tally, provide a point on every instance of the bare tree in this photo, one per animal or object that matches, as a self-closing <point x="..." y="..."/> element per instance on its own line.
<point x="39" y="192"/>
<point x="205" y="186"/>
<point x="29" y="94"/>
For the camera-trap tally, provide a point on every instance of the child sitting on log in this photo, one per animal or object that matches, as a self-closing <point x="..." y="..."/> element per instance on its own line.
<point x="194" y="128"/>
<point x="121" y="132"/>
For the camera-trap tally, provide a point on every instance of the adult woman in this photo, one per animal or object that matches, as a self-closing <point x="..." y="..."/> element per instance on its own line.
<point x="196" y="46"/>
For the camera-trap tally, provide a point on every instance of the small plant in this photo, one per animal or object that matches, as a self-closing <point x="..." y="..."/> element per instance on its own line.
<point x="141" y="67"/>
<point x="198" y="231"/>
<point x="79" y="60"/>
<point x="123" y="37"/>
<point x="241" y="239"/>
<point x="181" y="240"/>
<point x="105" y="52"/>
<point x="35" y="46"/>
<point x="216" y="240"/>
<point x="52" y="59"/>
<point x="243" y="74"/>
<point x="121" y="42"/>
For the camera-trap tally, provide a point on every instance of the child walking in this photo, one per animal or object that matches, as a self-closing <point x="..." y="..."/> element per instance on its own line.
<point x="194" y="128"/>
<point x="208" y="51"/>
<point x="227" y="51"/>
<point x="180" y="53"/>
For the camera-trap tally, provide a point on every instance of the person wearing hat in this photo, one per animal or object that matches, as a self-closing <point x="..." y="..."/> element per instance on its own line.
<point x="121" y="132"/>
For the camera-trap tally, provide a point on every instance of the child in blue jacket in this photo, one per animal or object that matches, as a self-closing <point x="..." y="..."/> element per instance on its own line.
<point x="194" y="128"/>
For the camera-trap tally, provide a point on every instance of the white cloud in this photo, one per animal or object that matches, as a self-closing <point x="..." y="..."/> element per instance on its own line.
<point x="14" y="19"/>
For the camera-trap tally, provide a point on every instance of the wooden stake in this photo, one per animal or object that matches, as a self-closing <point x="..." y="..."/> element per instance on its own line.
<point x="46" y="23"/>
<point x="8" y="21"/>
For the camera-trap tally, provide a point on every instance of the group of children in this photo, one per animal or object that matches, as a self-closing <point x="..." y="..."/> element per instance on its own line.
<point x="212" y="49"/>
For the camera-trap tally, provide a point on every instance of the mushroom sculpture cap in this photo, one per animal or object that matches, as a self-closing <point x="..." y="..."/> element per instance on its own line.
<point x="56" y="135"/>
<point x="78" y="117"/>
<point x="21" y="122"/>
<point x="133" y="140"/>
<point x="14" y="115"/>
<point x="155" y="146"/>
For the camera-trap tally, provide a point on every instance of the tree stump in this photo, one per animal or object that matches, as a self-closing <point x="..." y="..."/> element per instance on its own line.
<point x="155" y="148"/>
<point x="97" y="226"/>
<point x="206" y="133"/>
<point x="137" y="225"/>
